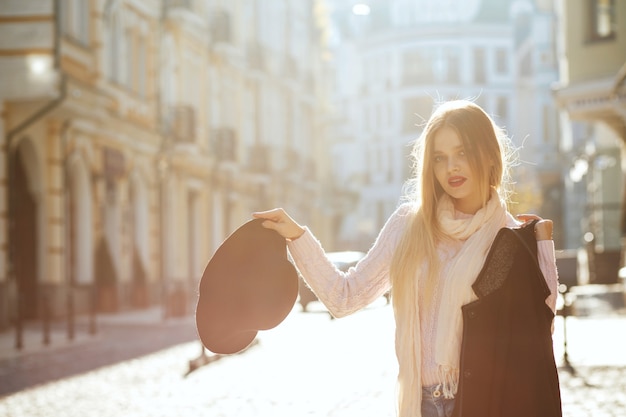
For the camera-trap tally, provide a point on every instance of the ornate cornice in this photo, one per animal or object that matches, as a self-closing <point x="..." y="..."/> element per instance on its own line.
<point x="596" y="100"/>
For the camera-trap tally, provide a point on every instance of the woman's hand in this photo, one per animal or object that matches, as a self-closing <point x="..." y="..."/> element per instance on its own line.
<point x="543" y="228"/>
<point x="277" y="219"/>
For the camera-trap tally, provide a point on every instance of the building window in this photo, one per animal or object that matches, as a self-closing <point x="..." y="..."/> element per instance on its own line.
<point x="141" y="67"/>
<point x="602" y="19"/>
<point x="454" y="75"/>
<point x="480" y="76"/>
<point x="130" y="43"/>
<point x="417" y="68"/>
<point x="136" y="69"/>
<point x="75" y="20"/>
<point x="113" y="47"/>
<point x="525" y="64"/>
<point x="445" y="65"/>
<point x="502" y="61"/>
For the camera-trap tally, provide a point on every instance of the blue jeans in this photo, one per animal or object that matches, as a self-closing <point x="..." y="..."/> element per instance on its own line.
<point x="434" y="404"/>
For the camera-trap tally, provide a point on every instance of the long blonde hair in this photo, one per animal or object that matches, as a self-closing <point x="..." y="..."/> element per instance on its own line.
<point x="488" y="151"/>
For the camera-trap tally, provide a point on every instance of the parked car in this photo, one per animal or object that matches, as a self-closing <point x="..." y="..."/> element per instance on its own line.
<point x="343" y="260"/>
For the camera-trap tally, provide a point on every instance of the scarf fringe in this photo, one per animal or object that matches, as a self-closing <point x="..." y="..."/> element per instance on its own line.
<point x="449" y="378"/>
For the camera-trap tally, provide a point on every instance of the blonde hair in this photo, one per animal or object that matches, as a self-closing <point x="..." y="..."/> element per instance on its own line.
<point x="488" y="150"/>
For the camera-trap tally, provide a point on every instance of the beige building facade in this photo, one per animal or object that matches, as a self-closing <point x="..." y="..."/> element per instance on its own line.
<point x="592" y="96"/>
<point x="138" y="134"/>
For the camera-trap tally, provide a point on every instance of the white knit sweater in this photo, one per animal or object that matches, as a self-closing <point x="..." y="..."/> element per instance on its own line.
<point x="344" y="293"/>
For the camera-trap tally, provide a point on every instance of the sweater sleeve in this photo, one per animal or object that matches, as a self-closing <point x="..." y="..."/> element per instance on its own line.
<point x="344" y="293"/>
<point x="547" y="264"/>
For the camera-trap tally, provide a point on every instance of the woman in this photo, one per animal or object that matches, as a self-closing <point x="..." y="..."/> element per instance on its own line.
<point x="430" y="252"/>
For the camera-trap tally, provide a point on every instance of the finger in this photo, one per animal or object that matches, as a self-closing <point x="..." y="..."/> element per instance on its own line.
<point x="263" y="214"/>
<point x="274" y="215"/>
<point x="269" y="224"/>
<point x="527" y="215"/>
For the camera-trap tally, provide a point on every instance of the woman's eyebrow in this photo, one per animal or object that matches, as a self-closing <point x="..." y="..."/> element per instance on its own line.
<point x="456" y="148"/>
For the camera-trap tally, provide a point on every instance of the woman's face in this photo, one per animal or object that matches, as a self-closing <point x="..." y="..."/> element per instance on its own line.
<point x="453" y="172"/>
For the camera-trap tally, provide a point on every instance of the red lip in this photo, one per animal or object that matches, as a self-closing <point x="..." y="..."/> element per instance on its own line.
<point x="456" y="181"/>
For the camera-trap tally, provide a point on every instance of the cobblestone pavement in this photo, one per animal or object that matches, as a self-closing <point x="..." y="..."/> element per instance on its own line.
<point x="308" y="366"/>
<point x="113" y="343"/>
<point x="595" y="382"/>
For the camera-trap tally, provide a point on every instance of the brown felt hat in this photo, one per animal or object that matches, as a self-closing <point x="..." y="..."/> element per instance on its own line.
<point x="247" y="286"/>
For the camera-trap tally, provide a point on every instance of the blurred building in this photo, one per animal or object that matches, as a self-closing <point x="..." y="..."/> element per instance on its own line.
<point x="397" y="59"/>
<point x="137" y="134"/>
<point x="592" y="96"/>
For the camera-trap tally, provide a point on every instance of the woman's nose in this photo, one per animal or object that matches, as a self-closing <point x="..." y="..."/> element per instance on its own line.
<point x="453" y="165"/>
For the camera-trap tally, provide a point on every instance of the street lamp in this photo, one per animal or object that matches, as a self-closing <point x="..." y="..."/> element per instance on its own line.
<point x="40" y="69"/>
<point x="38" y="65"/>
<point x="162" y="168"/>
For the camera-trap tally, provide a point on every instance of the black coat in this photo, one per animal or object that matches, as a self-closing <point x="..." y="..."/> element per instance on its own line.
<point x="507" y="364"/>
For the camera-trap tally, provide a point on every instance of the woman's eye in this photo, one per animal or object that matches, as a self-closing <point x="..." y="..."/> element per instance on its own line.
<point x="438" y="158"/>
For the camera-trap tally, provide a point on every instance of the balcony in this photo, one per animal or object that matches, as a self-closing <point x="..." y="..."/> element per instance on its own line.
<point x="181" y="124"/>
<point x="180" y="12"/>
<point x="223" y="143"/>
<point x="259" y="159"/>
<point x="221" y="28"/>
<point x="601" y="100"/>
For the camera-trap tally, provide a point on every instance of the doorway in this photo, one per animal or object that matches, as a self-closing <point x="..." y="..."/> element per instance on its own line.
<point x="25" y="240"/>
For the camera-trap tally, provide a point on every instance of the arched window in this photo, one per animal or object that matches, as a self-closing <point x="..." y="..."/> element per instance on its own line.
<point x="75" y="20"/>
<point x="602" y="19"/>
<point x="168" y="91"/>
<point x="141" y="83"/>
<point x="129" y="45"/>
<point x="113" y="44"/>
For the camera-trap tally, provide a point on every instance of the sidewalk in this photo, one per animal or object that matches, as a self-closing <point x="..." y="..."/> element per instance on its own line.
<point x="34" y="339"/>
<point x="119" y="338"/>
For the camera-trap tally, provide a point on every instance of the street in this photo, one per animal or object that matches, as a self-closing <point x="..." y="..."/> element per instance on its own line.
<point x="308" y="366"/>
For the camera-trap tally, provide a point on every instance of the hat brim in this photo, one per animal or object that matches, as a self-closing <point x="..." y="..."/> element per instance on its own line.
<point x="247" y="286"/>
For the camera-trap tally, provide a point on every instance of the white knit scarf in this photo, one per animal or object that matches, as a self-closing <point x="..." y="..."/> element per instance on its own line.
<point x="478" y="232"/>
